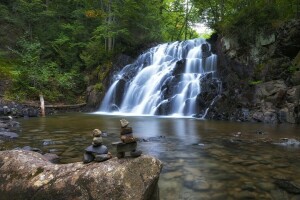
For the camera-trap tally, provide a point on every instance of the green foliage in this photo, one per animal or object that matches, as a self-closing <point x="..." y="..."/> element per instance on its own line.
<point x="206" y="35"/>
<point x="245" y="17"/>
<point x="34" y="76"/>
<point x="249" y="21"/>
<point x="5" y="69"/>
<point x="55" y="44"/>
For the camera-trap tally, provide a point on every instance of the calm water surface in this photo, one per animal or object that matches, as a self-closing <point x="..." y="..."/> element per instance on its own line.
<point x="202" y="159"/>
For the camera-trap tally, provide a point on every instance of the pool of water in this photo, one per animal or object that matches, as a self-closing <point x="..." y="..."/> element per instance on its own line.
<point x="202" y="159"/>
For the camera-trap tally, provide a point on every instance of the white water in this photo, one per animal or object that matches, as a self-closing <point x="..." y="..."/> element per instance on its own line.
<point x="142" y="87"/>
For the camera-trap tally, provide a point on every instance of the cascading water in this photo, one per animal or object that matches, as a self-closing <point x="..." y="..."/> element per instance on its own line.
<point x="169" y="79"/>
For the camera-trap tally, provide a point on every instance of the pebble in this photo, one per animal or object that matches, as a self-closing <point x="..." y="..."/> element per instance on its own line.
<point x="248" y="187"/>
<point x="279" y="195"/>
<point x="201" y="186"/>
<point x="266" y="186"/>
<point x="245" y="195"/>
<point x="171" y="175"/>
<point x="193" y="171"/>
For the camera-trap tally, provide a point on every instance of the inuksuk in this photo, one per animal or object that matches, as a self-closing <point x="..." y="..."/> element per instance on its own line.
<point x="128" y="142"/>
<point x="97" y="151"/>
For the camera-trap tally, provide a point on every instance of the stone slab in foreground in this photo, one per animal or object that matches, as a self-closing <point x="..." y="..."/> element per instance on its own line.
<point x="28" y="175"/>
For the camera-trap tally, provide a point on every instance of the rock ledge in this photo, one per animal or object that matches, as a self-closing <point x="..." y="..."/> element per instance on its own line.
<point x="28" y="175"/>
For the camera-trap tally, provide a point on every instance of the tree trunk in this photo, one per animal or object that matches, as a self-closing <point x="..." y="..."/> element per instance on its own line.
<point x="42" y="105"/>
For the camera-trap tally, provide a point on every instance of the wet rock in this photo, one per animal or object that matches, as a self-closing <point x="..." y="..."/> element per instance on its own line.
<point x="3" y="125"/>
<point x="266" y="186"/>
<point x="29" y="148"/>
<point x="47" y="142"/>
<point x="25" y="174"/>
<point x="87" y="158"/>
<point x="201" y="186"/>
<point x="279" y="195"/>
<point x="152" y="139"/>
<point x="136" y="153"/>
<point x="288" y="186"/>
<point x="8" y="135"/>
<point x="245" y="195"/>
<point x="97" y="150"/>
<point x="248" y="186"/>
<point x="172" y="175"/>
<point x="102" y="157"/>
<point x="288" y="142"/>
<point x="51" y="157"/>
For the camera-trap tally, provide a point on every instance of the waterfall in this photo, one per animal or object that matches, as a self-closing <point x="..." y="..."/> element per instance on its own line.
<point x="176" y="78"/>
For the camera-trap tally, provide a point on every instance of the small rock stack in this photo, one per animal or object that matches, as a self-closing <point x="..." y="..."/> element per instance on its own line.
<point x="126" y="135"/>
<point x="128" y="143"/>
<point x="97" y="151"/>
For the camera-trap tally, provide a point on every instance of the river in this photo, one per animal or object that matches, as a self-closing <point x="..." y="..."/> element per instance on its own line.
<point x="202" y="159"/>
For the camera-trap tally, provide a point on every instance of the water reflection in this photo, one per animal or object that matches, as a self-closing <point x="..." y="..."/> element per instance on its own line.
<point x="202" y="159"/>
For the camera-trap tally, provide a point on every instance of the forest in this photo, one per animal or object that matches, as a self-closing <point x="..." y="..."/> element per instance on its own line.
<point x="58" y="48"/>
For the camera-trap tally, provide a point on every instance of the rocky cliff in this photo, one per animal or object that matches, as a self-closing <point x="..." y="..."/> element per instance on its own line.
<point x="261" y="78"/>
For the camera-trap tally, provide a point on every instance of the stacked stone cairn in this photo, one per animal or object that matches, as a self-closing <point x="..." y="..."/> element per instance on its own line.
<point x="128" y="143"/>
<point x="97" y="151"/>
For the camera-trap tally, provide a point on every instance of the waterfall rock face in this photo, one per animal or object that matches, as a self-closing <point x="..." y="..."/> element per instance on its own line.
<point x="165" y="80"/>
<point x="28" y="175"/>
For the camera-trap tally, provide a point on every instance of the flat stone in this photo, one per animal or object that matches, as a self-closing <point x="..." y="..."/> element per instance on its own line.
<point x="136" y="153"/>
<point x="3" y="125"/>
<point x="172" y="175"/>
<point x="201" y="186"/>
<point x="8" y="135"/>
<point x="97" y="150"/>
<point x="245" y="195"/>
<point x="128" y="138"/>
<point x="102" y="157"/>
<point x="126" y="130"/>
<point x="249" y="162"/>
<point x="266" y="186"/>
<point x="51" y="157"/>
<point x="279" y="195"/>
<point x="288" y="186"/>
<point x="125" y="147"/>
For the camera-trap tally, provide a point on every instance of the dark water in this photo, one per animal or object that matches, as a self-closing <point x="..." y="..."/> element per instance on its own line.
<point x="202" y="159"/>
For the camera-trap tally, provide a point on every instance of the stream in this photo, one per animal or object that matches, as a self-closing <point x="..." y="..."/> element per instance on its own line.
<point x="202" y="159"/>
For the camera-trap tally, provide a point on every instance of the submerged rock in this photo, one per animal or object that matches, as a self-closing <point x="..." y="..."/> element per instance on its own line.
<point x="28" y="175"/>
<point x="8" y="135"/>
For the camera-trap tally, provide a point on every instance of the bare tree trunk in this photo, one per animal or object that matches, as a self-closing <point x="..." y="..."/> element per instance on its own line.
<point x="42" y="105"/>
<point x="109" y="22"/>
<point x="186" y="19"/>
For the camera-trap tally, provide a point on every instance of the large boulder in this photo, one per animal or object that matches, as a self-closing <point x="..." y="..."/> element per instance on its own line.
<point x="28" y="175"/>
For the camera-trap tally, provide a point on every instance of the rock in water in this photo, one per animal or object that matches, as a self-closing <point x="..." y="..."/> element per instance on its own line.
<point x="28" y="175"/>
<point x="97" y="150"/>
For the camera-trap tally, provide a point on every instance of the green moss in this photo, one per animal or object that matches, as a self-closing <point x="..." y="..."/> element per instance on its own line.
<point x="5" y="69"/>
<point x="255" y="82"/>
<point x="293" y="68"/>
